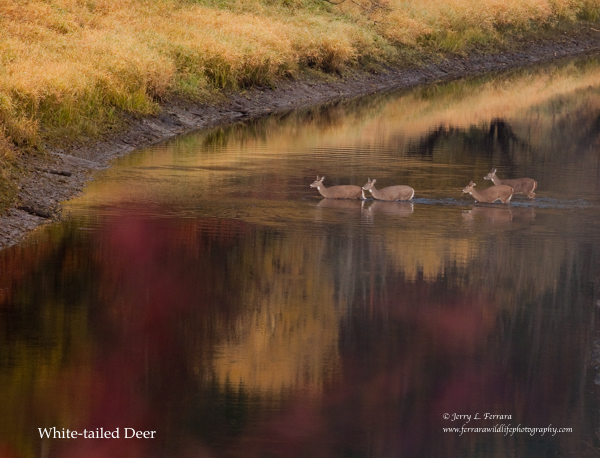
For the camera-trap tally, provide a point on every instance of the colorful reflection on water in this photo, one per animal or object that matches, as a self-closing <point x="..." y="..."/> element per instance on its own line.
<point x="202" y="291"/>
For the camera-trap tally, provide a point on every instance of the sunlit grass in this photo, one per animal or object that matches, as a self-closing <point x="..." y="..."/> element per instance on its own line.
<point x="71" y="68"/>
<point x="459" y="25"/>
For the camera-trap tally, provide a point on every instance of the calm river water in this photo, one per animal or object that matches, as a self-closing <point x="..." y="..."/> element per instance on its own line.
<point x="201" y="292"/>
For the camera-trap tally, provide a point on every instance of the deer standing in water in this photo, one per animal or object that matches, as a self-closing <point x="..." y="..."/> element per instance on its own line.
<point x="348" y="191"/>
<point x="502" y="192"/>
<point x="400" y="192"/>
<point x="520" y="185"/>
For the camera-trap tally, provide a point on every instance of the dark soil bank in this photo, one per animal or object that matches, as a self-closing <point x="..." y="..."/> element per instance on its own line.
<point x="62" y="173"/>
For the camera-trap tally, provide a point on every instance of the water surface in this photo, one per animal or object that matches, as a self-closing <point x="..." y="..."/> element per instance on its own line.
<point x="200" y="289"/>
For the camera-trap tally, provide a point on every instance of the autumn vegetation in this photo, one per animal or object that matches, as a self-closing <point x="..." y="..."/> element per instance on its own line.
<point x="72" y="68"/>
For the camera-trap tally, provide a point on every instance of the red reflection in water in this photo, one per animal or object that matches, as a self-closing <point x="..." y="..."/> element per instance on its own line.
<point x="420" y="349"/>
<point x="7" y="451"/>
<point x="155" y="287"/>
<point x="386" y="403"/>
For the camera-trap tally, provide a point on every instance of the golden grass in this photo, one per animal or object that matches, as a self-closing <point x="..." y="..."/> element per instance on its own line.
<point x="69" y="65"/>
<point x="455" y="25"/>
<point x="69" y="68"/>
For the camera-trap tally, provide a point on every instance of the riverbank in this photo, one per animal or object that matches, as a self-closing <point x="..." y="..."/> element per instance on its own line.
<point x="61" y="173"/>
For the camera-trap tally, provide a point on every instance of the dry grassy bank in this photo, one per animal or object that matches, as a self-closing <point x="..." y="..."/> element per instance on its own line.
<point x="70" y="68"/>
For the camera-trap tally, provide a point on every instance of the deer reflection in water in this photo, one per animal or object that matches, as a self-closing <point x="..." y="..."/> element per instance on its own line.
<point x="491" y="214"/>
<point x="402" y="209"/>
<point x="498" y="214"/>
<point x="344" y="208"/>
<point x="341" y="204"/>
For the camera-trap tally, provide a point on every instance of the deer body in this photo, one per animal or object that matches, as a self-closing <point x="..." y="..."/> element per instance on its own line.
<point x="520" y="185"/>
<point x="390" y="193"/>
<point x="338" y="192"/>
<point x="501" y="192"/>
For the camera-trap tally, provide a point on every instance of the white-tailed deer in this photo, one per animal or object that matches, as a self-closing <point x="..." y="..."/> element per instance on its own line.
<point x="390" y="193"/>
<point x="520" y="185"/>
<point x="502" y="192"/>
<point x="348" y="191"/>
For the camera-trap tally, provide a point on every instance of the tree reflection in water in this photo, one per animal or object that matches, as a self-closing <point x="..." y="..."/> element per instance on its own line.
<point x="164" y="307"/>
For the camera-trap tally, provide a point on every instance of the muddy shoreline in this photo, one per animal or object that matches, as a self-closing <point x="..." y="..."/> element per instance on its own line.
<point x="62" y="173"/>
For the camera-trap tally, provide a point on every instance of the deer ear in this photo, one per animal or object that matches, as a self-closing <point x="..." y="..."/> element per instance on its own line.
<point x="494" y="170"/>
<point x="322" y="178"/>
<point x="374" y="180"/>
